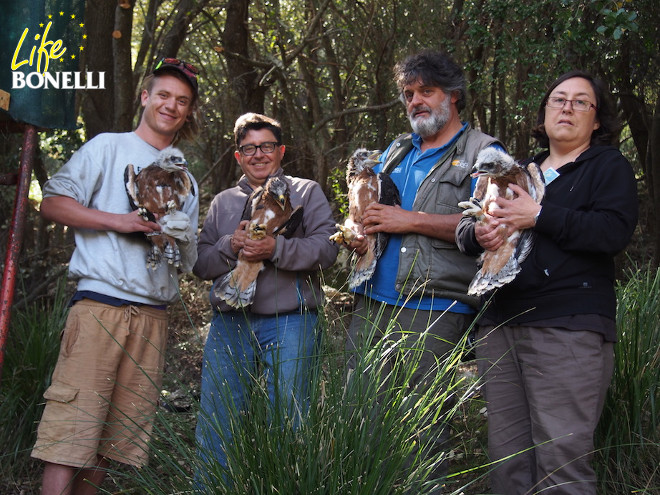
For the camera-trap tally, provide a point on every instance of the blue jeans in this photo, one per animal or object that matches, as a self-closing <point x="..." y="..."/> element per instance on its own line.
<point x="243" y="349"/>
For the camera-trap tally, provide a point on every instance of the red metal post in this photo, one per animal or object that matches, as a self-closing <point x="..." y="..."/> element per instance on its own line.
<point x="16" y="230"/>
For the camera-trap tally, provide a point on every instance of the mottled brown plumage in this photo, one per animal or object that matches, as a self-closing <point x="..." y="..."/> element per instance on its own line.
<point x="496" y="171"/>
<point x="270" y="213"/>
<point x="365" y="187"/>
<point x="158" y="190"/>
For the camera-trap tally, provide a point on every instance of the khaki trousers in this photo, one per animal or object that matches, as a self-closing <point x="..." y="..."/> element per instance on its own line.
<point x="544" y="390"/>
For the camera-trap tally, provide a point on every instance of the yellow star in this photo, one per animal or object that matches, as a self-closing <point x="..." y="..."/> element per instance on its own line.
<point x="84" y="36"/>
<point x="81" y="48"/>
<point x="50" y="16"/>
<point x="82" y="24"/>
<point x="61" y="14"/>
<point x="61" y="59"/>
<point x="73" y="16"/>
<point x="41" y="25"/>
<point x="73" y="56"/>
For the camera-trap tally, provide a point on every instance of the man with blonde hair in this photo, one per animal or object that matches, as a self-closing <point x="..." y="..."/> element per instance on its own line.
<point x="106" y="383"/>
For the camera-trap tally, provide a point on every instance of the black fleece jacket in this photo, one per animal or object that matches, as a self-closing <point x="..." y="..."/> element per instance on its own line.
<point x="589" y="215"/>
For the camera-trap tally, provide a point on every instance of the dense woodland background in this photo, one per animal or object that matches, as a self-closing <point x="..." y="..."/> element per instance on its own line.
<point x="323" y="68"/>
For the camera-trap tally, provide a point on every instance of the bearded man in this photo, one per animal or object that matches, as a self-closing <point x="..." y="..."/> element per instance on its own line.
<point x="421" y="279"/>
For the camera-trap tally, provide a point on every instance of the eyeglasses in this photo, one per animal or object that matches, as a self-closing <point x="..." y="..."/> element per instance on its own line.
<point x="189" y="69"/>
<point x="250" y="149"/>
<point x="578" y="105"/>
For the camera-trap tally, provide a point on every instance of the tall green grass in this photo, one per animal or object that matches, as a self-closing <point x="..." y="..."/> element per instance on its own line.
<point x="365" y="433"/>
<point x="628" y="436"/>
<point x="31" y="352"/>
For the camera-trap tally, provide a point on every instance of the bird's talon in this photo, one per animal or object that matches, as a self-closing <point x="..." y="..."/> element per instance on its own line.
<point x="143" y="213"/>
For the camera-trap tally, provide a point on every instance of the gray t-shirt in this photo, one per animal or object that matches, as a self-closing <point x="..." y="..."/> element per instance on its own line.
<point x="107" y="262"/>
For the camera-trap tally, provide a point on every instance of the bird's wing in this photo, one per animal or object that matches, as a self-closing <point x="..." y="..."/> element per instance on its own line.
<point x="182" y="186"/>
<point x="388" y="193"/>
<point x="252" y="203"/>
<point x="525" y="245"/>
<point x="290" y="224"/>
<point x="131" y="186"/>
<point x="537" y="183"/>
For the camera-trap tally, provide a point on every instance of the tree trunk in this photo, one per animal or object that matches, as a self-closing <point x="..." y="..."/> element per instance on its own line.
<point x="653" y="161"/>
<point x="243" y="77"/>
<point x="121" y="50"/>
<point x="98" y="107"/>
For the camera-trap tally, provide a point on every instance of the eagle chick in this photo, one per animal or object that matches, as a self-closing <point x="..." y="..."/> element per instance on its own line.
<point x="158" y="190"/>
<point x="495" y="170"/>
<point x="270" y="213"/>
<point x="364" y="188"/>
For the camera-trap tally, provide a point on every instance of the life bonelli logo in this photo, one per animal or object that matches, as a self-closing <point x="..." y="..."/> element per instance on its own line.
<point x="36" y="52"/>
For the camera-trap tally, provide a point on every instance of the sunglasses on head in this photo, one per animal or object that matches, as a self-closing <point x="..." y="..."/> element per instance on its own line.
<point x="190" y="69"/>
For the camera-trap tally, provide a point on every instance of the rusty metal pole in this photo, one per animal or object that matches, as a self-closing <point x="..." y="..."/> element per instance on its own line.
<point x="16" y="230"/>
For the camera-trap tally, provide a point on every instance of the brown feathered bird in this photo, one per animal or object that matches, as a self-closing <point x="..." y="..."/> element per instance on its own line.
<point x="495" y="171"/>
<point x="158" y="190"/>
<point x="270" y="212"/>
<point x="364" y="188"/>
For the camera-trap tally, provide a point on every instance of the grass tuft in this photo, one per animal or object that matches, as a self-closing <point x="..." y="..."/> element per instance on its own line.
<point x="31" y="352"/>
<point x="628" y="436"/>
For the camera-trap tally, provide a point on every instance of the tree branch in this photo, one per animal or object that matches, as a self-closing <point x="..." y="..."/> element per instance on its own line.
<point x="349" y="111"/>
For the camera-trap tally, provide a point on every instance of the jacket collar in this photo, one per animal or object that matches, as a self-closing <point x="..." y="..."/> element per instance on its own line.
<point x="587" y="154"/>
<point x="247" y="188"/>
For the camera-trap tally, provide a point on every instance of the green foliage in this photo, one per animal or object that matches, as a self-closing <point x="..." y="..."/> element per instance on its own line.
<point x="616" y="23"/>
<point x="365" y="433"/>
<point x="57" y="146"/>
<point x="339" y="192"/>
<point x="30" y="355"/>
<point x="363" y="427"/>
<point x="628" y="437"/>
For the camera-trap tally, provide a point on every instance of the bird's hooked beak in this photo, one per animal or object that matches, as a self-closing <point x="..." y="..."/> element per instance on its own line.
<point x="281" y="200"/>
<point x="374" y="157"/>
<point x="484" y="168"/>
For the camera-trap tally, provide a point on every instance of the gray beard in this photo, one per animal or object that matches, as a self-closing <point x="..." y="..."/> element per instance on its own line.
<point x="429" y="126"/>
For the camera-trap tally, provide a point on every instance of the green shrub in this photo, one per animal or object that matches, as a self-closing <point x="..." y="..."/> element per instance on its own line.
<point x="31" y="352"/>
<point x="628" y="436"/>
<point x="365" y="433"/>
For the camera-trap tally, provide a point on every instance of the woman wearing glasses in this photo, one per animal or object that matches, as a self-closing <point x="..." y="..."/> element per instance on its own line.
<point x="546" y="339"/>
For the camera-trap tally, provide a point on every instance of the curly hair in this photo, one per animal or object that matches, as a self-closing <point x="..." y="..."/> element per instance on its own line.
<point x="256" y="121"/>
<point x="432" y="68"/>
<point x="610" y="126"/>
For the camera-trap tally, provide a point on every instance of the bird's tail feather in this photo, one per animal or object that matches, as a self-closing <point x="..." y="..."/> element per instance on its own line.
<point x="229" y="290"/>
<point x="484" y="281"/>
<point x="363" y="270"/>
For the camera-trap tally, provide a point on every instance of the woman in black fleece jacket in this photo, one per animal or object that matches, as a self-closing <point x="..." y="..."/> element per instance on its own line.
<point x="546" y="339"/>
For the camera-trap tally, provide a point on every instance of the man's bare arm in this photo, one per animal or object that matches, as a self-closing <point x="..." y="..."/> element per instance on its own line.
<point x="68" y="211"/>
